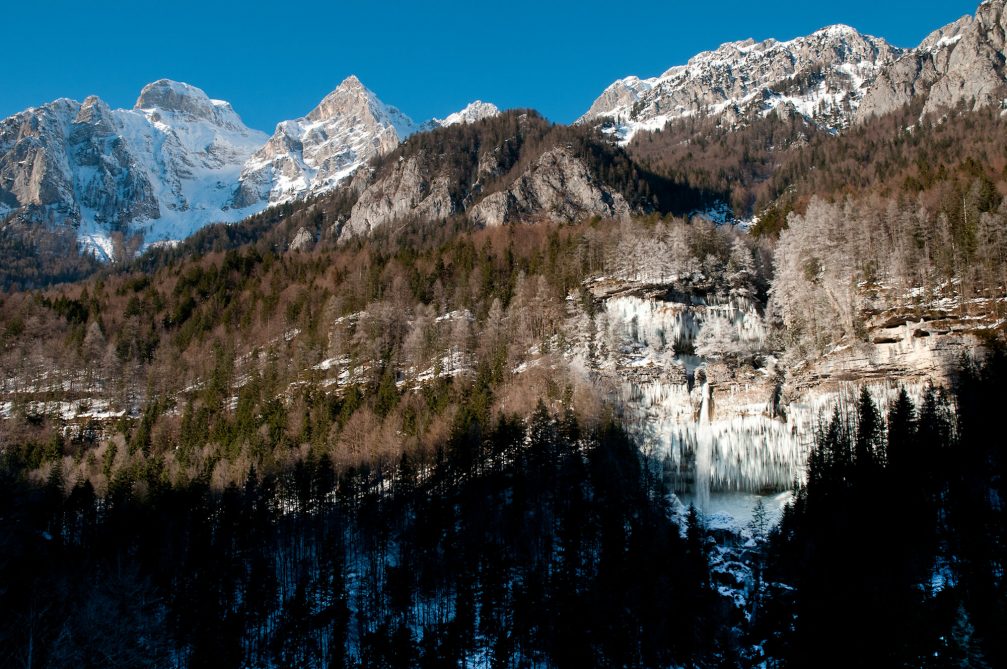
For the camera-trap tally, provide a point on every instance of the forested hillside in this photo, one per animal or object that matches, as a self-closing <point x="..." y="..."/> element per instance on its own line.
<point x="770" y="166"/>
<point x="895" y="548"/>
<point x="503" y="395"/>
<point x="256" y="358"/>
<point x="513" y="548"/>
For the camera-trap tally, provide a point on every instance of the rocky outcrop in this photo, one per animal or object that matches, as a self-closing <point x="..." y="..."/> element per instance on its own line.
<point x="961" y="64"/>
<point x="182" y="100"/>
<point x="302" y="240"/>
<point x="409" y="191"/>
<point x="821" y="76"/>
<point x="558" y="187"/>
<point x="431" y="182"/>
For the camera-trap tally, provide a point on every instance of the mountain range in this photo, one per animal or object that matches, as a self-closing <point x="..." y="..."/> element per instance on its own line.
<point x="179" y="160"/>
<point x="833" y="77"/>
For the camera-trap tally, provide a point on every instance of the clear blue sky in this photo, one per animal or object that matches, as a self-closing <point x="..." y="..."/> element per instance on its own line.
<point x="276" y="60"/>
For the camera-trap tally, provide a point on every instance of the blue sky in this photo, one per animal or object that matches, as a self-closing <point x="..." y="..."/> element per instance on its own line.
<point x="276" y="60"/>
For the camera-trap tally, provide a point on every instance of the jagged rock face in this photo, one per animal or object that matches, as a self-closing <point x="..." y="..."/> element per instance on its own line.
<point x="68" y="162"/>
<point x="181" y="99"/>
<point x="302" y="240"/>
<point x="974" y="74"/>
<point x="821" y="76"/>
<point x="109" y="181"/>
<point x="959" y="64"/>
<point x="179" y="160"/>
<point x="163" y="168"/>
<point x="325" y="148"/>
<point x="34" y="171"/>
<point x="321" y="150"/>
<point x="409" y="191"/>
<point x="558" y="187"/>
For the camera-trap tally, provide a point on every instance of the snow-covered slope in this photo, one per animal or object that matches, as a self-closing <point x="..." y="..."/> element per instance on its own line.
<point x="475" y="111"/>
<point x="821" y="76"/>
<point x="193" y="149"/>
<point x="179" y="160"/>
<point x="164" y="168"/>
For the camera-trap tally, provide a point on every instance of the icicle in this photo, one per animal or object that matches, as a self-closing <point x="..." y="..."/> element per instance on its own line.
<point x="704" y="447"/>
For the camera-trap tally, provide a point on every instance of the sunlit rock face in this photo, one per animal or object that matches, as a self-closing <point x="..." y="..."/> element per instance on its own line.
<point x="959" y="65"/>
<point x="821" y="77"/>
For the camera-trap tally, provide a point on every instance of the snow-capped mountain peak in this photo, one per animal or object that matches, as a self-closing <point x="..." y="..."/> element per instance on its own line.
<point x="161" y="168"/>
<point x="820" y="76"/>
<point x="179" y="159"/>
<point x="838" y="30"/>
<point x="319" y="151"/>
<point x="165" y="97"/>
<point x="323" y="149"/>
<point x="352" y="99"/>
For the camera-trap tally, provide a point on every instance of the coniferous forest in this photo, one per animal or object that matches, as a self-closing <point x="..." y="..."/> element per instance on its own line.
<point x="533" y="543"/>
<point x="519" y="546"/>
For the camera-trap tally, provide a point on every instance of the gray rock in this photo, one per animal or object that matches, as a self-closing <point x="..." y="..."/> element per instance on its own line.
<point x="409" y="191"/>
<point x="302" y="240"/>
<point x="558" y="187"/>
<point x="961" y="64"/>
<point x="821" y="76"/>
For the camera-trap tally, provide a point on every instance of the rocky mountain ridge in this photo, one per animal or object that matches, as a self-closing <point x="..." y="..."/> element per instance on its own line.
<point x="179" y="160"/>
<point x="162" y="168"/>
<point x="821" y="76"/>
<point x="322" y="150"/>
<point x="516" y="168"/>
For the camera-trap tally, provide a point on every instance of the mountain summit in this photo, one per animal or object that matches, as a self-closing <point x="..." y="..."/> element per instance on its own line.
<point x="188" y="101"/>
<point x="179" y="160"/>
<point x="160" y="168"/>
<point x="319" y="151"/>
<point x="821" y="76"/>
<point x="322" y="150"/>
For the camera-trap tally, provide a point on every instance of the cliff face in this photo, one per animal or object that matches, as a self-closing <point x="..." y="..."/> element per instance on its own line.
<point x="729" y="422"/>
<point x="520" y="169"/>
<point x="558" y="187"/>
<point x="160" y="168"/>
<point x="959" y="64"/>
